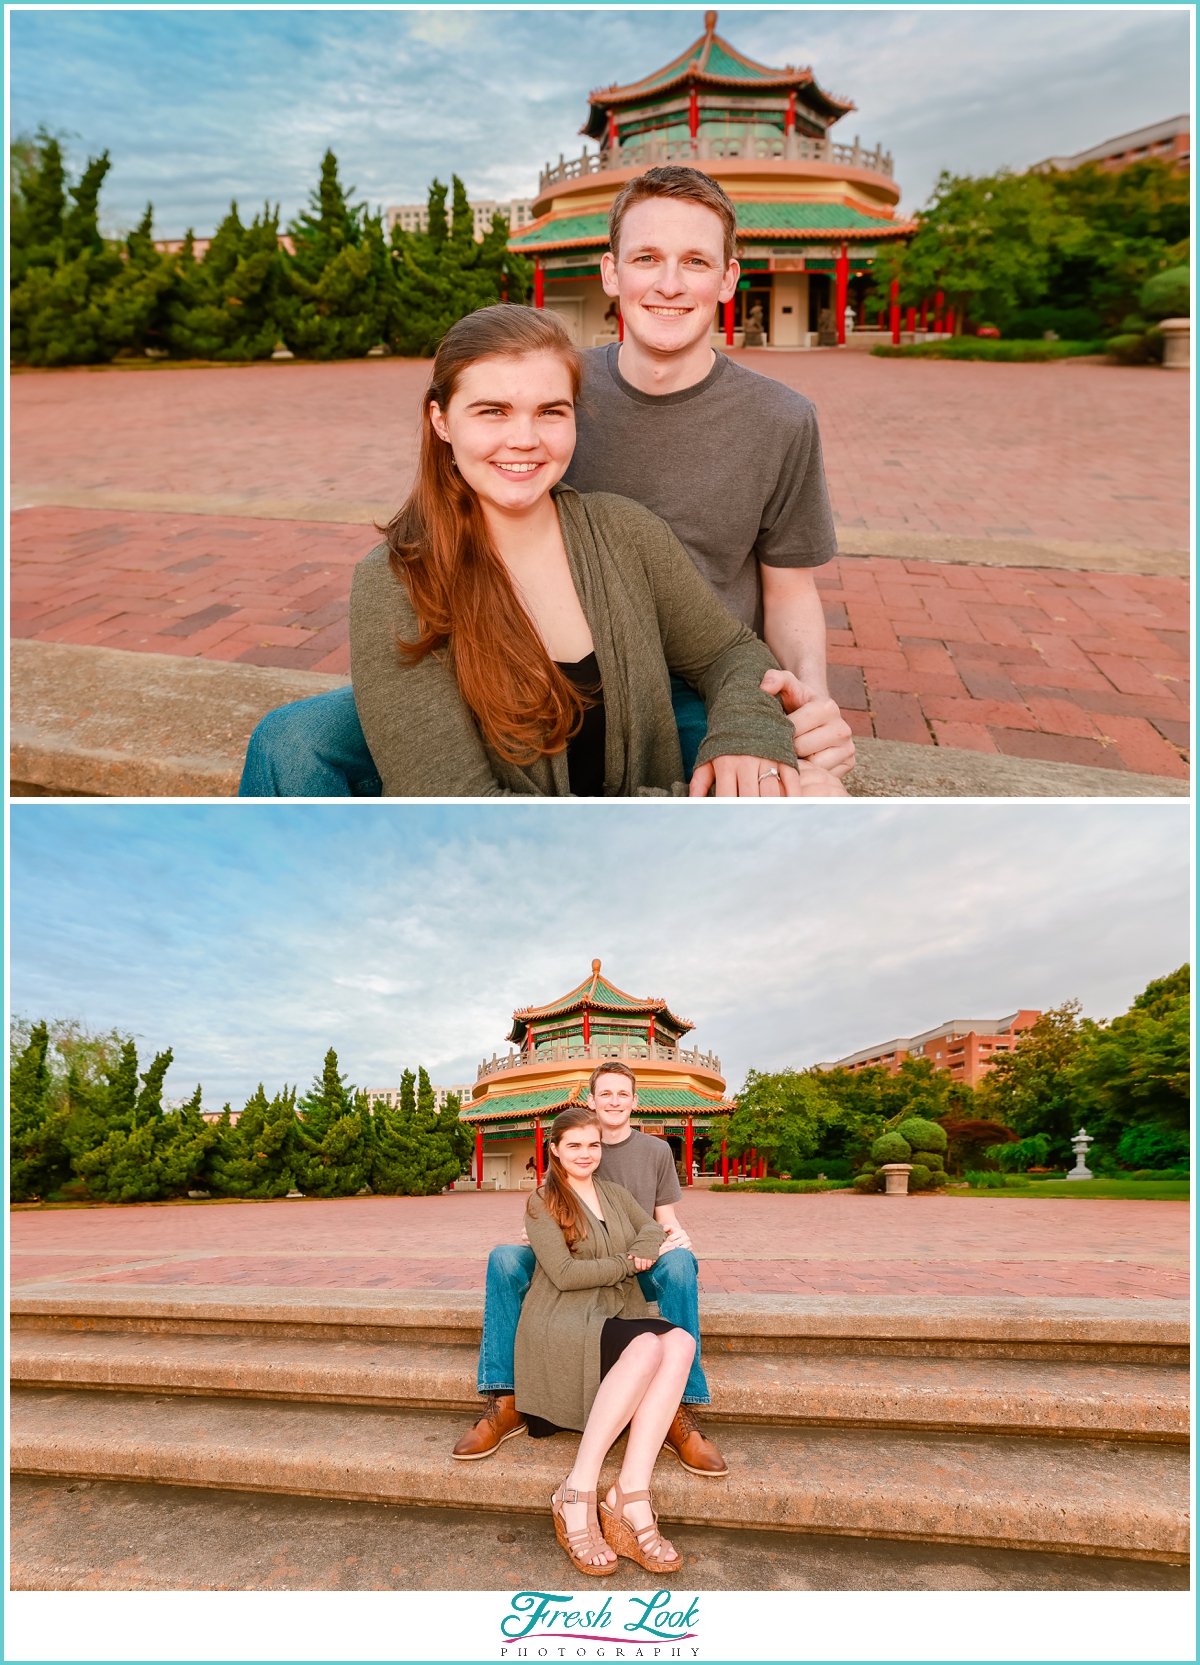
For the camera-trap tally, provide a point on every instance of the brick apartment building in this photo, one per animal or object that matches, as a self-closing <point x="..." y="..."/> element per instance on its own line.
<point x="964" y="1046"/>
<point x="1169" y="141"/>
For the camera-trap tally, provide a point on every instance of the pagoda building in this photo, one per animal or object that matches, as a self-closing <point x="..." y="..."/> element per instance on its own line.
<point x="812" y="213"/>
<point x="552" y="1053"/>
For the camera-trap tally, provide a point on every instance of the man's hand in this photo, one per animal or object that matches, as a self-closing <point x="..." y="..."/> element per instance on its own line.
<point x="823" y="736"/>
<point x="677" y="1238"/>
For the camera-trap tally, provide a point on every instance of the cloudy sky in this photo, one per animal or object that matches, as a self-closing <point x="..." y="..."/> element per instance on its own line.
<point x="251" y="938"/>
<point x="200" y="106"/>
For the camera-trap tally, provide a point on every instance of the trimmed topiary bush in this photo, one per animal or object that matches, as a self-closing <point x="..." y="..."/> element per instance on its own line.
<point x="893" y="1147"/>
<point x="930" y="1158"/>
<point x="1168" y="294"/>
<point x="922" y="1134"/>
<point x="938" y="1176"/>
<point x="918" y="1179"/>
<point x="866" y="1182"/>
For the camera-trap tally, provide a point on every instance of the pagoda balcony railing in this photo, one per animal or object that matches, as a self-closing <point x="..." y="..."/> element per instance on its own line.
<point x="790" y="147"/>
<point x="568" y="1052"/>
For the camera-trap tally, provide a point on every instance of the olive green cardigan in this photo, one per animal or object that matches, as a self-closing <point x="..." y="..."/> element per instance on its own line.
<point x="557" y="1355"/>
<point x="649" y="612"/>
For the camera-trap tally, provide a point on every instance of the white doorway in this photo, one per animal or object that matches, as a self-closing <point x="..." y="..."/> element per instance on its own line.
<point x="571" y="313"/>
<point x="495" y="1171"/>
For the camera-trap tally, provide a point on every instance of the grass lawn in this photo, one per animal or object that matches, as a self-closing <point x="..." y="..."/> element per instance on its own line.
<point x="1155" y="1190"/>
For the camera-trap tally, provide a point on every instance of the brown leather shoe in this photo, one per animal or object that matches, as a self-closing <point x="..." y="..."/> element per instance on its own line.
<point x="498" y="1423"/>
<point x="697" y="1454"/>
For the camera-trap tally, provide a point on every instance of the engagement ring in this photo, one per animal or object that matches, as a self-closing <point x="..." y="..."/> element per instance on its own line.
<point x="767" y="773"/>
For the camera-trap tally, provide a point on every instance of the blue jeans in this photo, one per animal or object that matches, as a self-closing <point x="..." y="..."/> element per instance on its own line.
<point x="671" y="1281"/>
<point x="314" y="748"/>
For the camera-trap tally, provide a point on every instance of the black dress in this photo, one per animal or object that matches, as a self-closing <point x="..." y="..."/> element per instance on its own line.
<point x="614" y="1339"/>
<point x="585" y="750"/>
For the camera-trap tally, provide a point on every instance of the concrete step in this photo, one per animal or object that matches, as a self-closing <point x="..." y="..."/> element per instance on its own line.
<point x="1070" y="1330"/>
<point x="1099" y="1497"/>
<point x="1067" y="1399"/>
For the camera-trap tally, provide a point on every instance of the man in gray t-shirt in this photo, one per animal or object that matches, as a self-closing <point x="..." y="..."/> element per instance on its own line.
<point x="646" y="1168"/>
<point x="729" y="458"/>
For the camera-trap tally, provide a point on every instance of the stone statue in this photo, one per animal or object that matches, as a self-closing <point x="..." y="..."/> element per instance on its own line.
<point x="827" y="333"/>
<point x="755" y="335"/>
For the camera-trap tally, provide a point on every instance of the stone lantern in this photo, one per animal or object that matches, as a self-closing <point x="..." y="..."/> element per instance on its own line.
<point x="1079" y="1145"/>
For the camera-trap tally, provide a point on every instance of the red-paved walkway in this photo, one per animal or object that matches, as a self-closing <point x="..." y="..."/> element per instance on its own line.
<point x="824" y="1244"/>
<point x="1072" y="666"/>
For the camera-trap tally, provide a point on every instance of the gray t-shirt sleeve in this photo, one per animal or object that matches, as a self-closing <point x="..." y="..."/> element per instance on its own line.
<point x="797" y="523"/>
<point x="667" y="1189"/>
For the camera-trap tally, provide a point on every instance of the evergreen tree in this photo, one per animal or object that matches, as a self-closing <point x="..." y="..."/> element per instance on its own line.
<point x="231" y="305"/>
<point x="333" y="1137"/>
<point x="340" y="276"/>
<point x="39" y="1159"/>
<point x="144" y="1154"/>
<point x="417" y="1152"/>
<point x="253" y="1156"/>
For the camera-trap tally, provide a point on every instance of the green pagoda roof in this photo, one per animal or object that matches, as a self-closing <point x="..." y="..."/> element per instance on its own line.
<point x="511" y="1106"/>
<point x="774" y="219"/>
<point x="595" y="993"/>
<point x="710" y="61"/>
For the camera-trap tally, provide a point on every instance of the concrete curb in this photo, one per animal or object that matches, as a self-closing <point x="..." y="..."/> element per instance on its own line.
<point x="103" y="722"/>
<point x="1026" y="553"/>
<point x="900" y="769"/>
<point x="1082" y="1496"/>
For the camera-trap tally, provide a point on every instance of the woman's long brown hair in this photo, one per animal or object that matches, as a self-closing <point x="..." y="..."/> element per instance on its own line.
<point x="460" y="588"/>
<point x="561" y="1202"/>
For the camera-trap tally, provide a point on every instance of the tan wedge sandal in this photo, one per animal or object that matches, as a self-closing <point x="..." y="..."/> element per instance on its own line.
<point x="637" y="1543"/>
<point x="587" y="1540"/>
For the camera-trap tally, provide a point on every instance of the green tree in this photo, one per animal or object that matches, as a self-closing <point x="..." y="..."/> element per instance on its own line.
<point x="1034" y="1089"/>
<point x="144" y="1153"/>
<point x="1135" y="1071"/>
<point x="231" y="305"/>
<point x="791" y="1116"/>
<point x="334" y="1136"/>
<point x="343" y="288"/>
<point x="39" y="1159"/>
<point x="253" y="1156"/>
<point x="417" y="1151"/>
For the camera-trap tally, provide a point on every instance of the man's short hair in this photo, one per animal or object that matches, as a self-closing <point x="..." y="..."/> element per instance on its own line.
<point x="611" y="1069"/>
<point x="683" y="185"/>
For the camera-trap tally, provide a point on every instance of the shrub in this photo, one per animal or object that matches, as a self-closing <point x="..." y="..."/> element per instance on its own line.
<point x="868" y="1167"/>
<point x="922" y="1134"/>
<point x="1150" y="1145"/>
<point x="918" y="1179"/>
<point x="938" y="1176"/>
<point x="1168" y="294"/>
<point x="891" y="1147"/>
<point x="998" y="352"/>
<point x="1069" y="323"/>
<point x="866" y="1182"/>
<point x="794" y="1187"/>
<point x="929" y="1159"/>
<point x="1136" y="349"/>
<point x="832" y="1167"/>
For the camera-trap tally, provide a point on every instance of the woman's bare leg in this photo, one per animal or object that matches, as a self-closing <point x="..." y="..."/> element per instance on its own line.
<point x="648" y="1427"/>
<point x="618" y="1399"/>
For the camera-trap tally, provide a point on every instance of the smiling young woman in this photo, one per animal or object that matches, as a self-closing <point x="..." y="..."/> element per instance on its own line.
<point x="516" y="637"/>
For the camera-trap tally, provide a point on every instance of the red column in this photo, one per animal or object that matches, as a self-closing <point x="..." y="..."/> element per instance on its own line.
<point x="620" y="325"/>
<point x="587" y="1028"/>
<point x="687" y="1153"/>
<point x="537" y="1147"/>
<point x="937" y="313"/>
<point x="694" y="114"/>
<point x="879" y="320"/>
<point x="650" y="1031"/>
<point x="950" y="322"/>
<point x="789" y="125"/>
<point x="924" y="314"/>
<point x="843" y="290"/>
<point x="724" y="1165"/>
<point x="539" y="283"/>
<point x="910" y="322"/>
<point x="729" y="323"/>
<point x="613" y="143"/>
<point x="479" y="1159"/>
<point x="895" y="312"/>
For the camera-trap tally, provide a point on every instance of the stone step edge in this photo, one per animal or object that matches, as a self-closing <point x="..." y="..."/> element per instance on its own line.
<point x="522" y="1489"/>
<point x="411" y="1380"/>
<point x="471" y="1408"/>
<point x="1066" y="1320"/>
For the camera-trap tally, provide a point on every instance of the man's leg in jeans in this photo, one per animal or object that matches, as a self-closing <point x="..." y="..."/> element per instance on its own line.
<point x="671" y="1281"/>
<point x="691" y="719"/>
<point x="509" y="1273"/>
<point x="312" y="748"/>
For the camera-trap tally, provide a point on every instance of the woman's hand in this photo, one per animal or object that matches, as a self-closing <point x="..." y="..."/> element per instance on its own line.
<point x="640" y="1265"/>
<point x="759" y="777"/>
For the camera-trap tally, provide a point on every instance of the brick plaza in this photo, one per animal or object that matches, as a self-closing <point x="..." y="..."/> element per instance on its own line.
<point x="220" y="512"/>
<point x="824" y="1244"/>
